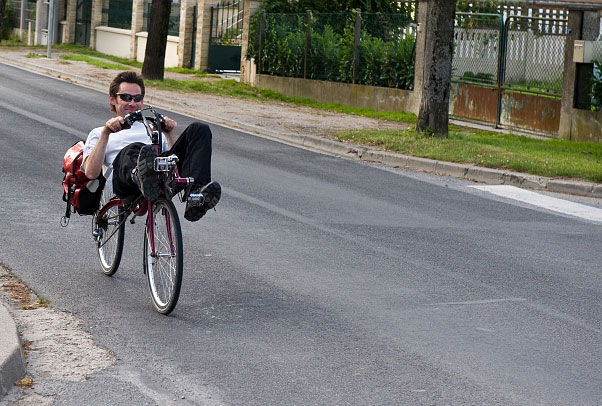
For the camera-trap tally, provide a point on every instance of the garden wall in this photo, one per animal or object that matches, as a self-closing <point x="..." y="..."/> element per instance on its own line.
<point x="370" y="97"/>
<point x="117" y="42"/>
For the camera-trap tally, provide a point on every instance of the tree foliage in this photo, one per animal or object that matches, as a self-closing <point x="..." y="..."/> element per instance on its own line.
<point x="3" y="14"/>
<point x="479" y="6"/>
<point x="332" y="6"/>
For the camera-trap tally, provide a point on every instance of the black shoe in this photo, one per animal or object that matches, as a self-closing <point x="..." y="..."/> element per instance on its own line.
<point x="145" y="170"/>
<point x="200" y="200"/>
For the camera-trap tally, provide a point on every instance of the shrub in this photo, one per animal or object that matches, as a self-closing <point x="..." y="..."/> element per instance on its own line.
<point x="327" y="52"/>
<point x="7" y="25"/>
<point x="400" y="63"/>
<point x="386" y="55"/>
<point x="284" y="48"/>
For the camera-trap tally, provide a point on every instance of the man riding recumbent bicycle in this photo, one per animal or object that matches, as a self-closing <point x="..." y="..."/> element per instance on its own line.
<point x="146" y="166"/>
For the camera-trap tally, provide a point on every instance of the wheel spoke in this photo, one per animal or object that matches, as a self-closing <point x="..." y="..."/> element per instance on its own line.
<point x="109" y="232"/>
<point x="165" y="267"/>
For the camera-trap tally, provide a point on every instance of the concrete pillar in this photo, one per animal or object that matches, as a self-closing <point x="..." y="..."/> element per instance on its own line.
<point x="201" y="59"/>
<point x="583" y="25"/>
<point x="69" y="27"/>
<point x="137" y="22"/>
<point x="41" y="23"/>
<point x="247" y="68"/>
<point x="186" y="26"/>
<point x="97" y="6"/>
<point x="22" y="21"/>
<point x="419" y="63"/>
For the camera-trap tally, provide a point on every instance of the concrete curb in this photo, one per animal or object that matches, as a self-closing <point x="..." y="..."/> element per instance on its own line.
<point x="12" y="359"/>
<point x="352" y="151"/>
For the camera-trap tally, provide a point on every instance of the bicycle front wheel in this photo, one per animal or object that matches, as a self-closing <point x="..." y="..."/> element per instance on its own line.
<point x="109" y="231"/>
<point x="164" y="266"/>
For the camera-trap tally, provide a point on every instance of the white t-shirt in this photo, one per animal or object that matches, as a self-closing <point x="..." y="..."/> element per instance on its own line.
<point x="117" y="141"/>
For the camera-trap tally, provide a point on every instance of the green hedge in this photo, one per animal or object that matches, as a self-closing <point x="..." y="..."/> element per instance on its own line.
<point x="386" y="55"/>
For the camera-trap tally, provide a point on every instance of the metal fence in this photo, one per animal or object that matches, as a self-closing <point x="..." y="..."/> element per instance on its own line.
<point x="523" y="53"/>
<point x="29" y="13"/>
<point x="534" y="53"/>
<point x="227" y="23"/>
<point x="225" y="36"/>
<point x="374" y="49"/>
<point x="174" y="17"/>
<point x="477" y="48"/>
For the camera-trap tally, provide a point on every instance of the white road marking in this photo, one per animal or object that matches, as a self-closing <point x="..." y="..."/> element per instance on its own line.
<point x="479" y="302"/>
<point x="547" y="202"/>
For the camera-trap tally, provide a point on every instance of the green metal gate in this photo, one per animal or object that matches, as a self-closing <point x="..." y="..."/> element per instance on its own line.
<point x="225" y="37"/>
<point x="508" y="72"/>
<point x="83" y="20"/>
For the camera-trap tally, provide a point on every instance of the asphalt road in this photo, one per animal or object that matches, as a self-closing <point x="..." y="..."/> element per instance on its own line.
<point x="318" y="281"/>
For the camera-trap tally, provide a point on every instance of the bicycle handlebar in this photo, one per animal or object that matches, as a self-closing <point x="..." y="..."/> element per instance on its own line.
<point x="131" y="118"/>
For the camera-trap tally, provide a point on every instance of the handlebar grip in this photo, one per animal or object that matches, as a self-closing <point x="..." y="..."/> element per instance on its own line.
<point x="162" y="122"/>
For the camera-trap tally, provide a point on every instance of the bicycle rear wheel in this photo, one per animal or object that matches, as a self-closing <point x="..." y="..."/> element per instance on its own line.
<point x="164" y="268"/>
<point x="109" y="232"/>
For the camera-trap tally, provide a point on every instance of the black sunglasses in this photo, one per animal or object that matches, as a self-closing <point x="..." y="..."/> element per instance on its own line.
<point x="126" y="97"/>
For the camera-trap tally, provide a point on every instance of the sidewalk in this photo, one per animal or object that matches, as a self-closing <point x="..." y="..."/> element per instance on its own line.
<point x="294" y="125"/>
<point x="12" y="360"/>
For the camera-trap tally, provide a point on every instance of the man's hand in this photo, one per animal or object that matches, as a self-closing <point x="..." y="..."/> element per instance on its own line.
<point x="113" y="125"/>
<point x="169" y="125"/>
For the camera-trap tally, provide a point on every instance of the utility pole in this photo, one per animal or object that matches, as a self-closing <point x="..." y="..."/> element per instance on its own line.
<point x="50" y="37"/>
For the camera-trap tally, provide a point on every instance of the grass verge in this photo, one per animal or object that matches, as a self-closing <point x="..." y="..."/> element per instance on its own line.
<point x="230" y="87"/>
<point x="94" y="61"/>
<point x="552" y="158"/>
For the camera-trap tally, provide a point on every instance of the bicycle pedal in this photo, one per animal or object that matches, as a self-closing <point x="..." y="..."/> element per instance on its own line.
<point x="196" y="199"/>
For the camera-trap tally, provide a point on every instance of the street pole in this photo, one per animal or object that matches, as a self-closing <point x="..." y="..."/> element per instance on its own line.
<point x="22" y="19"/>
<point x="50" y="36"/>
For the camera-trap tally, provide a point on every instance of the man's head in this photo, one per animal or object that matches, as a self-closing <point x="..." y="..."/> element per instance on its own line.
<point x="122" y="88"/>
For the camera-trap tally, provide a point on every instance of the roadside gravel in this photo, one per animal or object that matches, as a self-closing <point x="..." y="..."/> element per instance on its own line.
<point x="55" y="344"/>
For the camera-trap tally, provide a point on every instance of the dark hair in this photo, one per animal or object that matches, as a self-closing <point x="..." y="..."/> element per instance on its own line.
<point x="127" y="77"/>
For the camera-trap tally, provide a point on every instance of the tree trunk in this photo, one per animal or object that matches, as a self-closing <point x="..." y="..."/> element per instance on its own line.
<point x="433" y="116"/>
<point x="2" y="11"/>
<point x="154" y="56"/>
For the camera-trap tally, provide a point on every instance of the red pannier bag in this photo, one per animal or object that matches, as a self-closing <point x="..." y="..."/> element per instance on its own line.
<point x="81" y="193"/>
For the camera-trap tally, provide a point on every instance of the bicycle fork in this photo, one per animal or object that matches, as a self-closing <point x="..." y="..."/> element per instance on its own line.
<point x="151" y="231"/>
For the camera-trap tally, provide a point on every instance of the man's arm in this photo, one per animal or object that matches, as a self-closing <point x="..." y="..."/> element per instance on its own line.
<point x="93" y="163"/>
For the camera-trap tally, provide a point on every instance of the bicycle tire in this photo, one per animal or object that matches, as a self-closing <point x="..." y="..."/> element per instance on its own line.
<point x="164" y="270"/>
<point x="109" y="243"/>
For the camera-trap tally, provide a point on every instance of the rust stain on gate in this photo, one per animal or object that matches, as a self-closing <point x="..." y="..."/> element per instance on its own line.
<point x="473" y="102"/>
<point x="530" y="111"/>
